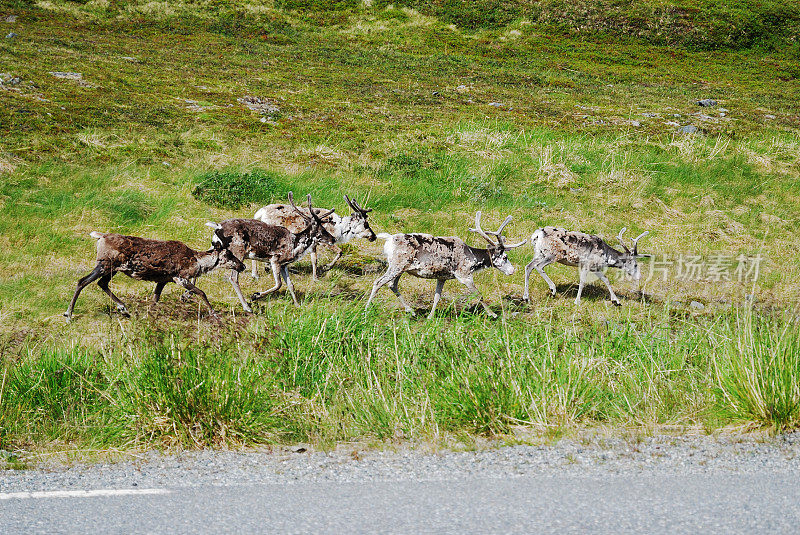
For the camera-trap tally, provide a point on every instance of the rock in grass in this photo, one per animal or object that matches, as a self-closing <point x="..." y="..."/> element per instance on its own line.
<point x="496" y="104"/>
<point x="11" y="35"/>
<point x="260" y="105"/>
<point x="11" y="19"/>
<point x="688" y="129"/>
<point x="697" y="305"/>
<point x="707" y="103"/>
<point x="67" y="75"/>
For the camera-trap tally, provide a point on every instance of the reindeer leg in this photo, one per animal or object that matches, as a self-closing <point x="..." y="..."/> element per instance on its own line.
<point x="255" y="270"/>
<point x="470" y="284"/>
<point x="103" y="284"/>
<point x="96" y="273"/>
<point x="187" y="295"/>
<point x="276" y="269"/>
<point x="528" y="269"/>
<point x="436" y="296"/>
<point x="396" y="291"/>
<point x="338" y="253"/>
<point x="289" y="285"/>
<point x="314" y="262"/>
<point x="550" y="284"/>
<point x="384" y="279"/>
<point x="234" y="280"/>
<point x="186" y="283"/>
<point x="583" y="274"/>
<point x="157" y="292"/>
<point x="614" y="299"/>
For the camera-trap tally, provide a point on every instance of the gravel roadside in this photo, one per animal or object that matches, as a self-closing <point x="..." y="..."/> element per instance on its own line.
<point x="598" y="456"/>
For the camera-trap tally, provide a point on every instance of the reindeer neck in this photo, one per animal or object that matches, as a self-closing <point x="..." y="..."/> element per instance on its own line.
<point x="304" y="240"/>
<point x="610" y="253"/>
<point x="206" y="261"/>
<point x="481" y="258"/>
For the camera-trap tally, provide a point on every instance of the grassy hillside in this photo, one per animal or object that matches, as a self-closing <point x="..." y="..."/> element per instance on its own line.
<point x="559" y="113"/>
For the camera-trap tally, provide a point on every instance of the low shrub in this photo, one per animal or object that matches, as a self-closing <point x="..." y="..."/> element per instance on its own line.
<point x="234" y="189"/>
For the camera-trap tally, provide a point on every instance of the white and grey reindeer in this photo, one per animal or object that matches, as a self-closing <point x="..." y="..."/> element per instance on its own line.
<point x="590" y="253"/>
<point x="443" y="258"/>
<point x="343" y="229"/>
<point x="256" y="240"/>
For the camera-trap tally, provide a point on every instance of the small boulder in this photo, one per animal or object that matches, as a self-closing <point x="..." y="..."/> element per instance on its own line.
<point x="11" y="35"/>
<point x="707" y="103"/>
<point x="697" y="305"/>
<point x="67" y="75"/>
<point x="11" y="19"/>
<point x="688" y="129"/>
<point x="496" y="104"/>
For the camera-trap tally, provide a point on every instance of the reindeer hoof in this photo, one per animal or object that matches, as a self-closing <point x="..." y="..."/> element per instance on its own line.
<point x="256" y="296"/>
<point x="124" y="313"/>
<point x="186" y="297"/>
<point x="617" y="303"/>
<point x="68" y="316"/>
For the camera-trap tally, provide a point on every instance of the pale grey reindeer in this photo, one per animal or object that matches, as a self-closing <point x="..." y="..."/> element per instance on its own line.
<point x="256" y="240"/>
<point x="156" y="261"/>
<point x="588" y="252"/>
<point x="442" y="258"/>
<point x="343" y="229"/>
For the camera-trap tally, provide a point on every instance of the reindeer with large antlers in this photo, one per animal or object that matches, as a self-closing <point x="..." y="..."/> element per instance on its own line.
<point x="256" y="240"/>
<point x="589" y="253"/>
<point x="443" y="258"/>
<point x="343" y="229"/>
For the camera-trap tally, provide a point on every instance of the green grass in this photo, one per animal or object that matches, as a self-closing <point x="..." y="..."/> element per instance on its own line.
<point x="391" y="105"/>
<point x="340" y="376"/>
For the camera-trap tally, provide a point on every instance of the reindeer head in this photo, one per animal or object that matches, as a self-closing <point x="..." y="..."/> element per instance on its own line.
<point x="627" y="260"/>
<point x="221" y="242"/>
<point x="359" y="226"/>
<point x="497" y="250"/>
<point x="316" y="222"/>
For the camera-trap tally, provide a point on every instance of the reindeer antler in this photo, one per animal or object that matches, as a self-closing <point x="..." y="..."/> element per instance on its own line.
<point x="619" y="237"/>
<point x="482" y="232"/>
<point x="356" y="207"/>
<point x="498" y="233"/>
<point x="318" y="217"/>
<point x="296" y="209"/>
<point x="636" y="241"/>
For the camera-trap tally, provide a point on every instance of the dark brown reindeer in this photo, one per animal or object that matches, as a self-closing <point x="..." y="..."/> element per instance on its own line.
<point x="591" y="254"/>
<point x="442" y="258"/>
<point x="155" y="261"/>
<point x="256" y="240"/>
<point x="343" y="229"/>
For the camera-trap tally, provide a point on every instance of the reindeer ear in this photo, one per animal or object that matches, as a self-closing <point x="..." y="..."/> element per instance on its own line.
<point x="644" y="256"/>
<point x="215" y="226"/>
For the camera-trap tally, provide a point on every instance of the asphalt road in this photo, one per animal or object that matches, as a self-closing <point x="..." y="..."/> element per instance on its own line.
<point x="644" y="502"/>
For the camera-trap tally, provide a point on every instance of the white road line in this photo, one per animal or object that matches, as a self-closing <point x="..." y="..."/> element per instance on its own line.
<point x="79" y="493"/>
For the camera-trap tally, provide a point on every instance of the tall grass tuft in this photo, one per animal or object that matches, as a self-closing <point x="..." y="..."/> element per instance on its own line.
<point x="193" y="397"/>
<point x="758" y="373"/>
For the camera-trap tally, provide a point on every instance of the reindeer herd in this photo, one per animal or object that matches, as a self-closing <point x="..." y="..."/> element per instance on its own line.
<point x="281" y="234"/>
